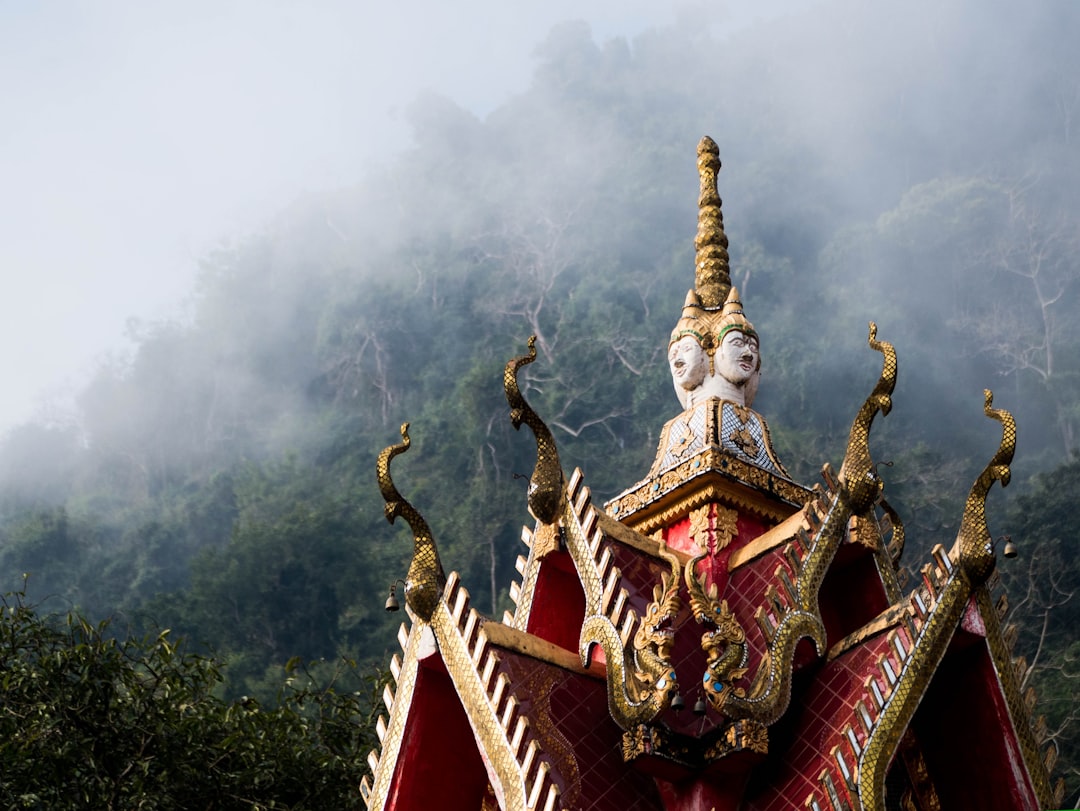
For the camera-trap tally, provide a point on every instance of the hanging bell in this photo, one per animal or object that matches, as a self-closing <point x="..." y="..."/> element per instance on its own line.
<point x="677" y="703"/>
<point x="700" y="708"/>
<point x="392" y="603"/>
<point x="1010" y="550"/>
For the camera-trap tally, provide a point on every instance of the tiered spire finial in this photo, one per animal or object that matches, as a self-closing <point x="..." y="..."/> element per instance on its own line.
<point x="712" y="274"/>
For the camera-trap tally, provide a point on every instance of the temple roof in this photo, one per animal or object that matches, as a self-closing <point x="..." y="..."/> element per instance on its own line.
<point x="717" y="635"/>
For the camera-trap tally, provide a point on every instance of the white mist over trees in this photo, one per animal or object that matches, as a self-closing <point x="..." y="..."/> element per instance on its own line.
<point x="913" y="165"/>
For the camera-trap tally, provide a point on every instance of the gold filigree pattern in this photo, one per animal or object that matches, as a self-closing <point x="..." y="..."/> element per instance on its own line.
<point x="745" y="442"/>
<point x="725" y="527"/>
<point x="546" y="484"/>
<point x="540" y="685"/>
<point x="545" y="540"/>
<point x="740" y="736"/>
<point x="699" y="527"/>
<point x="711" y="460"/>
<point x="649" y="522"/>
<point x="425" y="580"/>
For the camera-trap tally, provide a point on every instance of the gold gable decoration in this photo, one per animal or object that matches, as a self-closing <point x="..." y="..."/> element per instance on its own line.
<point x="720" y="577"/>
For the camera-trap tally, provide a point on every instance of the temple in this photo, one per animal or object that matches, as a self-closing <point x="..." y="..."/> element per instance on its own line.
<point x="717" y="636"/>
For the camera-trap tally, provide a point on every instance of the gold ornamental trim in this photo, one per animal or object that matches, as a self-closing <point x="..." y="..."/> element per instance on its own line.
<point x="641" y="679"/>
<point x="512" y="639"/>
<point x="652" y="545"/>
<point x="912" y="682"/>
<point x="1049" y="796"/>
<point x="397" y="705"/>
<point x="505" y="773"/>
<point x="656" y="503"/>
<point x="779" y="535"/>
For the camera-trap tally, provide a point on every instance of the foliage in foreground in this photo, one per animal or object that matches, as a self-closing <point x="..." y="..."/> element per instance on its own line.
<point x="91" y="721"/>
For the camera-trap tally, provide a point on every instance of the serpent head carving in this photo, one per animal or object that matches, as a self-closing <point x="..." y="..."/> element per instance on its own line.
<point x="546" y="484"/>
<point x="724" y="640"/>
<point x="974" y="542"/>
<point x="640" y="675"/>
<point x="426" y="579"/>
<point x="859" y="481"/>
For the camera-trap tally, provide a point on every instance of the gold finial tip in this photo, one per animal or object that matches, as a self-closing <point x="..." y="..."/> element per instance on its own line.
<point x="712" y="276"/>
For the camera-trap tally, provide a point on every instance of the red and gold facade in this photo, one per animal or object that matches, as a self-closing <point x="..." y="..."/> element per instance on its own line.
<point x="717" y="637"/>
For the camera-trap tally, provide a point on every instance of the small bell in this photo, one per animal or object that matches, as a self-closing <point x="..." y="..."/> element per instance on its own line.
<point x="1010" y="550"/>
<point x="700" y="708"/>
<point x="677" y="703"/>
<point x="392" y="603"/>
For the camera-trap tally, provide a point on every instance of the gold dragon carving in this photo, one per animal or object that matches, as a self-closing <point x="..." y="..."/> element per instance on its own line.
<point x="425" y="580"/>
<point x="640" y="677"/>
<point x="974" y="554"/>
<point x="546" y="485"/>
<point x="859" y="487"/>
<point x="724" y="640"/>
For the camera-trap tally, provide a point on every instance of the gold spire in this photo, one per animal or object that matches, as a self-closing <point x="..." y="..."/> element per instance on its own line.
<point x="712" y="273"/>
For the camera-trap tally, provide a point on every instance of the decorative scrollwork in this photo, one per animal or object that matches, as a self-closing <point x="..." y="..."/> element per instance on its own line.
<point x="976" y="548"/>
<point x="546" y="485"/>
<point x="641" y="678"/>
<point x="426" y="579"/>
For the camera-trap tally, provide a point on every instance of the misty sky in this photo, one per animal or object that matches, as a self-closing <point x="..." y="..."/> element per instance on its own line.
<point x="136" y="136"/>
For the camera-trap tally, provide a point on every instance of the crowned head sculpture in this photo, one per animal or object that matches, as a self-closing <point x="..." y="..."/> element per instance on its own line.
<point x="714" y="349"/>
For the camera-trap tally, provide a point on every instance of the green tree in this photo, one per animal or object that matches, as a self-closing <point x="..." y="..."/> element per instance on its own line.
<point x="92" y="721"/>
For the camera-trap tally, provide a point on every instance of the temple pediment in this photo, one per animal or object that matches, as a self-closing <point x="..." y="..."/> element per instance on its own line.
<point x="717" y="636"/>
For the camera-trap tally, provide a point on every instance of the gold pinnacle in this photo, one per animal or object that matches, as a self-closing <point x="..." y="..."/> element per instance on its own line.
<point x="712" y="273"/>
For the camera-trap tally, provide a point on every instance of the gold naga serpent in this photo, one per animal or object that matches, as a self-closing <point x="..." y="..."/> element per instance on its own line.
<point x="546" y="489"/>
<point x="425" y="580"/>
<point x="858" y="489"/>
<point x="641" y="679"/>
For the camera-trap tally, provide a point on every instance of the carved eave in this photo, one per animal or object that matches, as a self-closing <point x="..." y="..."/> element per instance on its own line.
<point x="495" y="671"/>
<point x="710" y="474"/>
<point x="881" y="674"/>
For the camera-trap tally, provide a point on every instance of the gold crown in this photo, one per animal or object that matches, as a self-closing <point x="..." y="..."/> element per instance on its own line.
<point x="696" y="322"/>
<point x="733" y="317"/>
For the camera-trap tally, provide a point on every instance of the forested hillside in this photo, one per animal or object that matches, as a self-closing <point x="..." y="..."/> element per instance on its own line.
<point x="915" y="165"/>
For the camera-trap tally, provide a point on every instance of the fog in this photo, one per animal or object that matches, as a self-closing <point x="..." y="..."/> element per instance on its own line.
<point x="138" y="136"/>
<point x="316" y="225"/>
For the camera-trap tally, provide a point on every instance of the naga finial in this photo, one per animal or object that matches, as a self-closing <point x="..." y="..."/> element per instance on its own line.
<point x="858" y="478"/>
<point x="974" y="542"/>
<point x="712" y="273"/>
<point x="426" y="579"/>
<point x="546" y="484"/>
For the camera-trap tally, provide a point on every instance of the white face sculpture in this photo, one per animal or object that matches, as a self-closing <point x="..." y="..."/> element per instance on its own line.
<point x="737" y="358"/>
<point x="688" y="363"/>
<point x="735" y="376"/>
